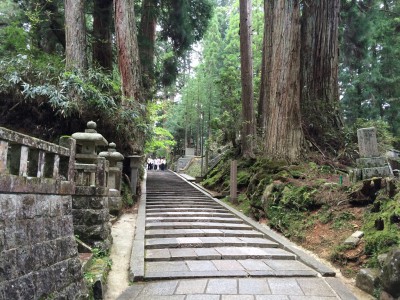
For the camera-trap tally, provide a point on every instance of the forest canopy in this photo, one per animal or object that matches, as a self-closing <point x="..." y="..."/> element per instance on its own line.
<point x="186" y="54"/>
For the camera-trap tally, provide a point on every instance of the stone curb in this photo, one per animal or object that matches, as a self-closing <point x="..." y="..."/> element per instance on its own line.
<point x="282" y="241"/>
<point x="136" y="266"/>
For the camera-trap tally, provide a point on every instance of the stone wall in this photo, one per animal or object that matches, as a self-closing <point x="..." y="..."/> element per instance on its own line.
<point x="39" y="257"/>
<point x="38" y="252"/>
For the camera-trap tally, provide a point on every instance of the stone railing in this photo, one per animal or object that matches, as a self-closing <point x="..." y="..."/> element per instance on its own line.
<point x="39" y="257"/>
<point x="28" y="164"/>
<point x="49" y="194"/>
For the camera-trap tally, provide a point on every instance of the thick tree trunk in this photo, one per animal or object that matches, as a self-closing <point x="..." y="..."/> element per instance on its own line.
<point x="102" y="43"/>
<point x="128" y="53"/>
<point x="147" y="38"/>
<point x="319" y="72"/>
<point x="75" y="35"/>
<point x="284" y="137"/>
<point x="265" y="70"/>
<point x="248" y="126"/>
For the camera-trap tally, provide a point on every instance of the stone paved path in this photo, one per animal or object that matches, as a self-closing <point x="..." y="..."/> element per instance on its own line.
<point x="192" y="246"/>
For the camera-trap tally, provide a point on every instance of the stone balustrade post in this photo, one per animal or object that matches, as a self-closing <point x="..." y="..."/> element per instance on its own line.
<point x="135" y="163"/>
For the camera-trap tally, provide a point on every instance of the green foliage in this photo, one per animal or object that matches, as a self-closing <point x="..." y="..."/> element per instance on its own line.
<point x="370" y="44"/>
<point x="341" y="220"/>
<point x="14" y="40"/>
<point x="160" y="141"/>
<point x="299" y="198"/>
<point x="127" y="197"/>
<point x="380" y="241"/>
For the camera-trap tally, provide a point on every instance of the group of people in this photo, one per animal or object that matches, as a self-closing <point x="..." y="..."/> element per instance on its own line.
<point x="156" y="163"/>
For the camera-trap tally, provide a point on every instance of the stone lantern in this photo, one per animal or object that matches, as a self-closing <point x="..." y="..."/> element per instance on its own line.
<point x="115" y="166"/>
<point x="135" y="163"/>
<point x="87" y="160"/>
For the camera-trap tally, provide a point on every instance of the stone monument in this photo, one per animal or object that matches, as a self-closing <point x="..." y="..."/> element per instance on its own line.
<point x="371" y="163"/>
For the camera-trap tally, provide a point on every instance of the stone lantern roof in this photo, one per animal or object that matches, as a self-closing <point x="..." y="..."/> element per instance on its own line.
<point x="111" y="154"/>
<point x="90" y="136"/>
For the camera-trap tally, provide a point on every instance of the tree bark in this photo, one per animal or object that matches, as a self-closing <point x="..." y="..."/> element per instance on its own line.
<point x="147" y="38"/>
<point x="319" y="72"/>
<point x="248" y="126"/>
<point x="102" y="43"/>
<point x="284" y="137"/>
<point x="127" y="47"/>
<point x="75" y="36"/>
<point x="262" y="103"/>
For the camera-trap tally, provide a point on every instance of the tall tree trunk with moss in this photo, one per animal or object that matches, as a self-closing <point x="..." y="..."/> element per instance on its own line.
<point x="248" y="125"/>
<point x="75" y="36"/>
<point x="102" y="36"/>
<point x="284" y="137"/>
<point x="127" y="50"/>
<point x="319" y="73"/>
<point x="147" y="38"/>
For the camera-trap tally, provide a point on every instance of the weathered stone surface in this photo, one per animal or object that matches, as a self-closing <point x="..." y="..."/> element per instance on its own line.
<point x="371" y="162"/>
<point x="358" y="234"/>
<point x="367" y="280"/>
<point x="367" y="142"/>
<point x="375" y="172"/>
<point x="115" y="204"/>
<point x="391" y="273"/>
<point x="352" y="241"/>
<point x="86" y="202"/>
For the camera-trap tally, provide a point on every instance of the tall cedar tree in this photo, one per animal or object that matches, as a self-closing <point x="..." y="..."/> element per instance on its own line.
<point x="147" y="39"/>
<point x="248" y="125"/>
<point x="102" y="35"/>
<point x="283" y="136"/>
<point x="127" y="49"/>
<point x="75" y="35"/>
<point x="319" y="73"/>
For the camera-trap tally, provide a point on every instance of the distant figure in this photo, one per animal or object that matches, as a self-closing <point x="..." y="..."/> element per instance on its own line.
<point x="149" y="163"/>
<point x="163" y="163"/>
<point x="157" y="163"/>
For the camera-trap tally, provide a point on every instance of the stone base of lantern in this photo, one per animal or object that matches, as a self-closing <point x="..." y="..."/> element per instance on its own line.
<point x="91" y="217"/>
<point x="114" y="202"/>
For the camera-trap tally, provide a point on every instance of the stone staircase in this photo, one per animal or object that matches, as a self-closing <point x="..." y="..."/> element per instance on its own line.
<point x="190" y="235"/>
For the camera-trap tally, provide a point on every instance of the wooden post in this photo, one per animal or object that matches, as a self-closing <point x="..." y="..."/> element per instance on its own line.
<point x="233" y="182"/>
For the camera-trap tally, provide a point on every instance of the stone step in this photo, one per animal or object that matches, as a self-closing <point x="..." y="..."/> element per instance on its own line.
<point x="178" y="199"/>
<point x="168" y="233"/>
<point x="208" y="242"/>
<point x="196" y="225"/>
<point x="217" y="253"/>
<point x="185" y="204"/>
<point x="229" y="268"/>
<point x="159" y="275"/>
<point x="181" y="193"/>
<point x="193" y="219"/>
<point x="186" y="209"/>
<point x="189" y="214"/>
